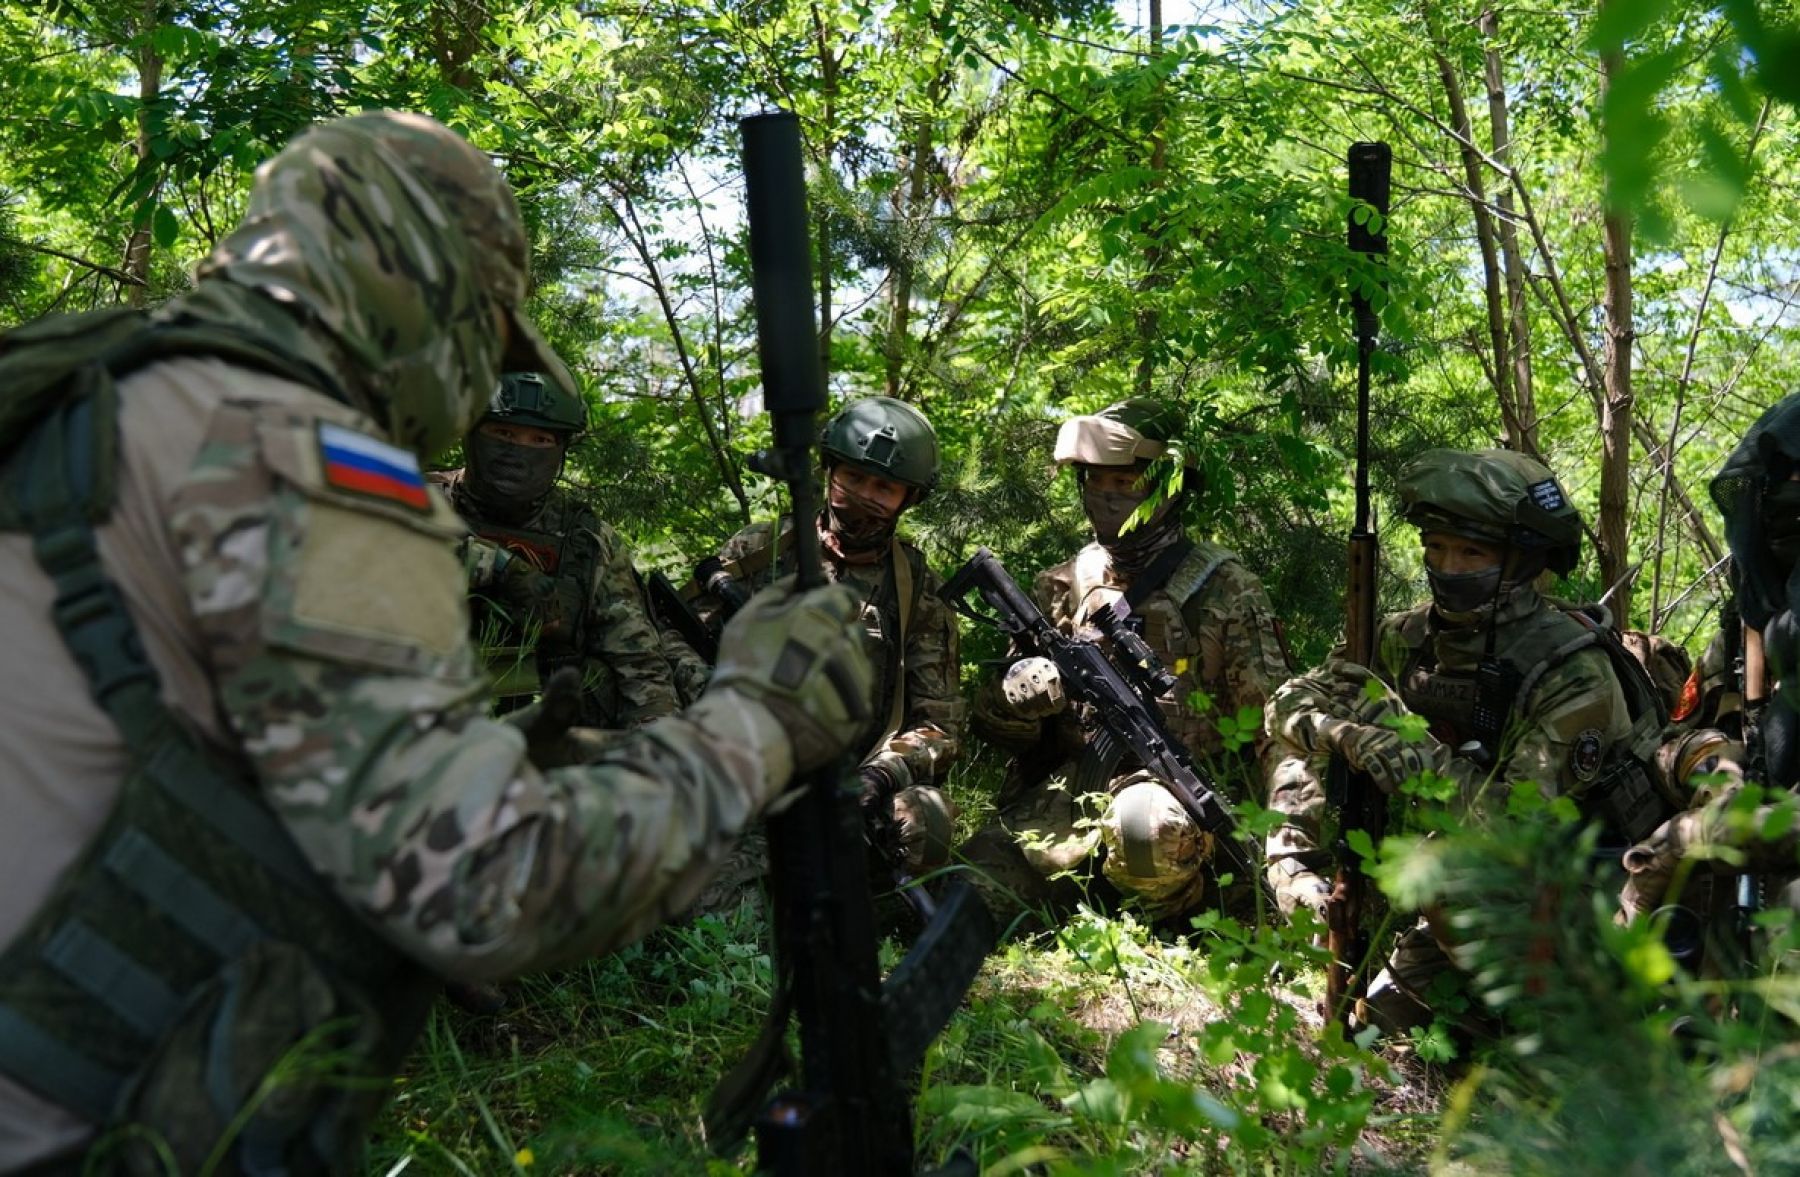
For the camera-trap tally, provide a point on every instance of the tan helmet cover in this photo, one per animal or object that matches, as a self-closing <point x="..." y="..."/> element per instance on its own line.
<point x="1103" y="441"/>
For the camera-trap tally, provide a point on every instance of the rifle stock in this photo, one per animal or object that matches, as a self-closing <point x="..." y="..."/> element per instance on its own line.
<point x="1360" y="803"/>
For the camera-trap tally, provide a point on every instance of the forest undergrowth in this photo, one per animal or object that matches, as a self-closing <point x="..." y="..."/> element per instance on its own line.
<point x="1110" y="1047"/>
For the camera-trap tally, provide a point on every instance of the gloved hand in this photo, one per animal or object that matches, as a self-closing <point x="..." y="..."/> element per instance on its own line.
<point x="1033" y="688"/>
<point x="805" y="657"/>
<point x="1304" y="889"/>
<point x="1649" y="869"/>
<point x="551" y="738"/>
<point x="1389" y="760"/>
<point x="878" y="785"/>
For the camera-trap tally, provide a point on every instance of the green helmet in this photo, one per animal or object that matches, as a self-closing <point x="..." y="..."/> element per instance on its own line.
<point x="527" y="398"/>
<point x="884" y="436"/>
<point x="1132" y="431"/>
<point x="1494" y="496"/>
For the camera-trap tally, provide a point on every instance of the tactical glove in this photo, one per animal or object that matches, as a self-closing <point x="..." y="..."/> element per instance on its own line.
<point x="1389" y="760"/>
<point x="805" y="657"/>
<point x="1033" y="688"/>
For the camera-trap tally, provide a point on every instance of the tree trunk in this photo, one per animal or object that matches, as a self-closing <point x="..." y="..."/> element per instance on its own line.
<point x="150" y="69"/>
<point x="913" y="210"/>
<point x="1501" y="369"/>
<point x="1613" y="526"/>
<point x="1519" y="323"/>
<point x="1147" y="319"/>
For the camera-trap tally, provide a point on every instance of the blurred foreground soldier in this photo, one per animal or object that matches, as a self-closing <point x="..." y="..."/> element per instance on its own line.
<point x="880" y="457"/>
<point x="1740" y="713"/>
<point x="552" y="585"/>
<point x="1515" y="689"/>
<point x="255" y="809"/>
<point x="1068" y="807"/>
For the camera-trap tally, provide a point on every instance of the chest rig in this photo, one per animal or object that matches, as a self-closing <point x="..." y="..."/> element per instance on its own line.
<point x="191" y="951"/>
<point x="1472" y="708"/>
<point x="518" y="656"/>
<point x="1158" y="601"/>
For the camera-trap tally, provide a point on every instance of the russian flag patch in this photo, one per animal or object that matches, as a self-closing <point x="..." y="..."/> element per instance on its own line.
<point x="357" y="462"/>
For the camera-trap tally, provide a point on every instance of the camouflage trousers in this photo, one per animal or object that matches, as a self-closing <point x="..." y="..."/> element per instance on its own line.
<point x="1036" y="859"/>
<point x="922" y="820"/>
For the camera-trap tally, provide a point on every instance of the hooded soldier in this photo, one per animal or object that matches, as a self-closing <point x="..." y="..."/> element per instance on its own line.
<point x="880" y="458"/>
<point x="1514" y="689"/>
<point x="1740" y="717"/>
<point x="255" y="808"/>
<point x="552" y="584"/>
<point x="1068" y="807"/>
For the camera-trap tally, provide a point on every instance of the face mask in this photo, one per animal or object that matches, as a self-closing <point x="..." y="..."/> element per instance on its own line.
<point x="1781" y="523"/>
<point x="510" y="473"/>
<point x="859" y="522"/>
<point x="1108" y="510"/>
<point x="1463" y="592"/>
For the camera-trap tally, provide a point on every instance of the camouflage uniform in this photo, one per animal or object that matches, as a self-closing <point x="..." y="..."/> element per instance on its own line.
<point x="1064" y="809"/>
<point x="915" y="728"/>
<point x="1568" y="724"/>
<point x="299" y="602"/>
<point x="927" y="737"/>
<point x="627" y="678"/>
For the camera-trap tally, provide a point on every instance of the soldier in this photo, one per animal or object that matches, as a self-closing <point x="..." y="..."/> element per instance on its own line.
<point x="255" y="808"/>
<point x="881" y="457"/>
<point x="552" y="585"/>
<point x="1515" y="690"/>
<point x="1739" y="718"/>
<point x="1065" y="806"/>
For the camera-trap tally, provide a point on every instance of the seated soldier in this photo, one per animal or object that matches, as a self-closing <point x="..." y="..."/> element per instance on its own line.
<point x="1515" y="690"/>
<point x="551" y="585"/>
<point x="1068" y="808"/>
<point x="1740" y="717"/>
<point x="880" y="458"/>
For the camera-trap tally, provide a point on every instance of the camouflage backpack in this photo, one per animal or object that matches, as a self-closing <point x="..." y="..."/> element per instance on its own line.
<point x="191" y="986"/>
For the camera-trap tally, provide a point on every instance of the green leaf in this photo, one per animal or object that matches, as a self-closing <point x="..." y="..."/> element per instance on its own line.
<point x="164" y="228"/>
<point x="1620" y="20"/>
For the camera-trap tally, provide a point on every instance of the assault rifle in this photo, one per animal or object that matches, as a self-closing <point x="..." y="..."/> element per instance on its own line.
<point x="1359" y="802"/>
<point x="668" y="607"/>
<point x="1121" y="691"/>
<point x="861" y="1038"/>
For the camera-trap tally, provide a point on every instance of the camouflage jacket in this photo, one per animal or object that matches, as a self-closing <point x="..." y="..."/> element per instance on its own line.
<point x="1563" y="728"/>
<point x="626" y="674"/>
<point x="1212" y="626"/>
<point x="927" y="723"/>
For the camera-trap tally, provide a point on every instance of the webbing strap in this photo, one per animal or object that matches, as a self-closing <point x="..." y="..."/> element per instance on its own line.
<point x="147" y="869"/>
<point x="59" y="1074"/>
<point x="184" y="774"/>
<point x="141" y="999"/>
<point x="1158" y="574"/>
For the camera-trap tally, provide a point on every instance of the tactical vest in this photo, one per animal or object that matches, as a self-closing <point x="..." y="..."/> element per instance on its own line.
<point x="1472" y="709"/>
<point x="191" y="955"/>
<point x="516" y="659"/>
<point x="1166" y="629"/>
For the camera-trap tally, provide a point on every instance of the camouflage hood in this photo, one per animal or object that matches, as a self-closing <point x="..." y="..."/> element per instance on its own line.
<point x="391" y="236"/>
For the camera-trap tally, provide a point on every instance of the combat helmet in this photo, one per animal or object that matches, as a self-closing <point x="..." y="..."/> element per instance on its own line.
<point x="1494" y="496"/>
<point x="531" y="398"/>
<point x="1122" y="434"/>
<point x="887" y="437"/>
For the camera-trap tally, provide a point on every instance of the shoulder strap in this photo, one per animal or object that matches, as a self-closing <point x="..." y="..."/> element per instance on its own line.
<point x="1160" y="570"/>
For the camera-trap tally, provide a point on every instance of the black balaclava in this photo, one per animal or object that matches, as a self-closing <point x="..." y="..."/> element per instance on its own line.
<point x="509" y="481"/>
<point x="860" y="524"/>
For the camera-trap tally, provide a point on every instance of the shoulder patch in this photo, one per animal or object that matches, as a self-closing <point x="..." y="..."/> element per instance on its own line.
<point x="361" y="464"/>
<point x="1584" y="757"/>
<point x="1547" y="494"/>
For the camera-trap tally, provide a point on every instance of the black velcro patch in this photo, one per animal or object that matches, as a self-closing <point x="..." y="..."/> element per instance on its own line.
<point x="1547" y="495"/>
<point x="792" y="667"/>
